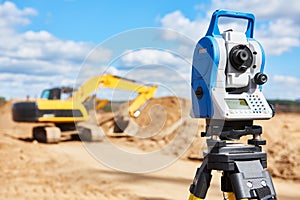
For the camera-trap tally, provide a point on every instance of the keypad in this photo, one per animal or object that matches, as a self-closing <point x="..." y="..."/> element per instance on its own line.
<point x="256" y="104"/>
<point x="257" y="107"/>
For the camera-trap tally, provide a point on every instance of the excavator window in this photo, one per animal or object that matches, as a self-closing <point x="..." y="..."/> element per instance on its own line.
<point x="54" y="93"/>
<point x="45" y="94"/>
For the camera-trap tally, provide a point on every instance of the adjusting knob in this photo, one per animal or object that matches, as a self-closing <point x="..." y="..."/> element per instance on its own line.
<point x="260" y="78"/>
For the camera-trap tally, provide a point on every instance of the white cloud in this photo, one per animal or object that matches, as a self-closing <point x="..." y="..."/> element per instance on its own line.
<point x="278" y="30"/>
<point x="160" y="67"/>
<point x="279" y="36"/>
<point x="37" y="59"/>
<point x="11" y="16"/>
<point x="177" y="21"/>
<point x="89" y="70"/>
<point x="150" y="57"/>
<point x="271" y="9"/>
<point x="21" y="85"/>
<point x="285" y="80"/>
<point x="99" y="54"/>
<point x="171" y="81"/>
<point x="42" y="45"/>
<point x="282" y="87"/>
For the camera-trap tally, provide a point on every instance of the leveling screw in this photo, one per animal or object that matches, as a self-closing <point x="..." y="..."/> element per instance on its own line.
<point x="249" y="184"/>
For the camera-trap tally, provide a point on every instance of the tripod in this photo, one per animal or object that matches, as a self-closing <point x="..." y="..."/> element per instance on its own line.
<point x="242" y="165"/>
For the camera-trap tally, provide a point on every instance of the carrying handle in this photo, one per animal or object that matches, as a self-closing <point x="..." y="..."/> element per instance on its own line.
<point x="213" y="29"/>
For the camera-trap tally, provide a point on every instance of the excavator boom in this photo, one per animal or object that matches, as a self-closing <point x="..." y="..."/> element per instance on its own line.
<point x="110" y="81"/>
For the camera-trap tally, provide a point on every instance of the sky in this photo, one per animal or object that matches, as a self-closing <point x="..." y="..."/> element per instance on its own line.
<point x="53" y="43"/>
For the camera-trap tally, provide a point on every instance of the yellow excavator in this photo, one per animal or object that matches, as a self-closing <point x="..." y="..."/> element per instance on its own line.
<point x="65" y="114"/>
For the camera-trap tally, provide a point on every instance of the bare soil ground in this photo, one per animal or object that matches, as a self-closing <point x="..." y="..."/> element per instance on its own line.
<point x="30" y="170"/>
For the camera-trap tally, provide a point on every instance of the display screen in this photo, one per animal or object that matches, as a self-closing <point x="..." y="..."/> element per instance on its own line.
<point x="237" y="104"/>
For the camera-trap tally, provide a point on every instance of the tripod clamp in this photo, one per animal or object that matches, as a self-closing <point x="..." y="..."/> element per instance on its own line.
<point x="234" y="130"/>
<point x="233" y="134"/>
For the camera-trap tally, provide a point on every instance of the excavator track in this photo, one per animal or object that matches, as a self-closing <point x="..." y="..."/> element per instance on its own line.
<point x="46" y="134"/>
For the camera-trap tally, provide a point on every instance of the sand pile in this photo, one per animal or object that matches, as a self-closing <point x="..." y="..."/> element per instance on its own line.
<point x="157" y="117"/>
<point x="7" y="124"/>
<point x="163" y="121"/>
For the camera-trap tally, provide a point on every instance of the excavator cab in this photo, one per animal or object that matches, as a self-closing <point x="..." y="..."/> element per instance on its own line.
<point x="54" y="106"/>
<point x="53" y="93"/>
<point x="57" y="93"/>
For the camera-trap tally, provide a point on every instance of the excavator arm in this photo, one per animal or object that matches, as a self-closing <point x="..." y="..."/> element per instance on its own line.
<point x="140" y="101"/>
<point x="145" y="92"/>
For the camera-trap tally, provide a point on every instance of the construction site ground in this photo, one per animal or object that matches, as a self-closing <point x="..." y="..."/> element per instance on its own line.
<point x="32" y="170"/>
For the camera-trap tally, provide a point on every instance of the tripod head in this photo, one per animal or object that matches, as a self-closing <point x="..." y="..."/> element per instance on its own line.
<point x="227" y="78"/>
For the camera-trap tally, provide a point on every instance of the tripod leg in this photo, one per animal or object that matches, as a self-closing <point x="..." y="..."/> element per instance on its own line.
<point x="192" y="197"/>
<point x="252" y="181"/>
<point x="201" y="182"/>
<point x="231" y="196"/>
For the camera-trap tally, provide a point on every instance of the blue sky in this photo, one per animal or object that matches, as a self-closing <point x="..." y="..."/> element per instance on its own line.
<point x="45" y="43"/>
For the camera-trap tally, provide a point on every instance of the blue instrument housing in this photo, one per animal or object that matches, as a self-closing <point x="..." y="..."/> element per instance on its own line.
<point x="204" y="71"/>
<point x="206" y="60"/>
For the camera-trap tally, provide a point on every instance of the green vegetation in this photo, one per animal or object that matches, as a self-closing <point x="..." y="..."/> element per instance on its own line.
<point x="285" y="105"/>
<point x="2" y="100"/>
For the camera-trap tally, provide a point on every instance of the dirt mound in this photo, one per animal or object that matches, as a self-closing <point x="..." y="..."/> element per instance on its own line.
<point x="14" y="129"/>
<point x="162" y="121"/>
<point x="5" y="115"/>
<point x="155" y="119"/>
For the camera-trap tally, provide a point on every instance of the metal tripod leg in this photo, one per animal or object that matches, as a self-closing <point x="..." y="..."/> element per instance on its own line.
<point x="201" y="182"/>
<point x="249" y="180"/>
<point x="252" y="181"/>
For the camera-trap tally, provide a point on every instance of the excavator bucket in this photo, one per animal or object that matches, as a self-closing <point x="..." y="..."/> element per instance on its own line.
<point x="89" y="132"/>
